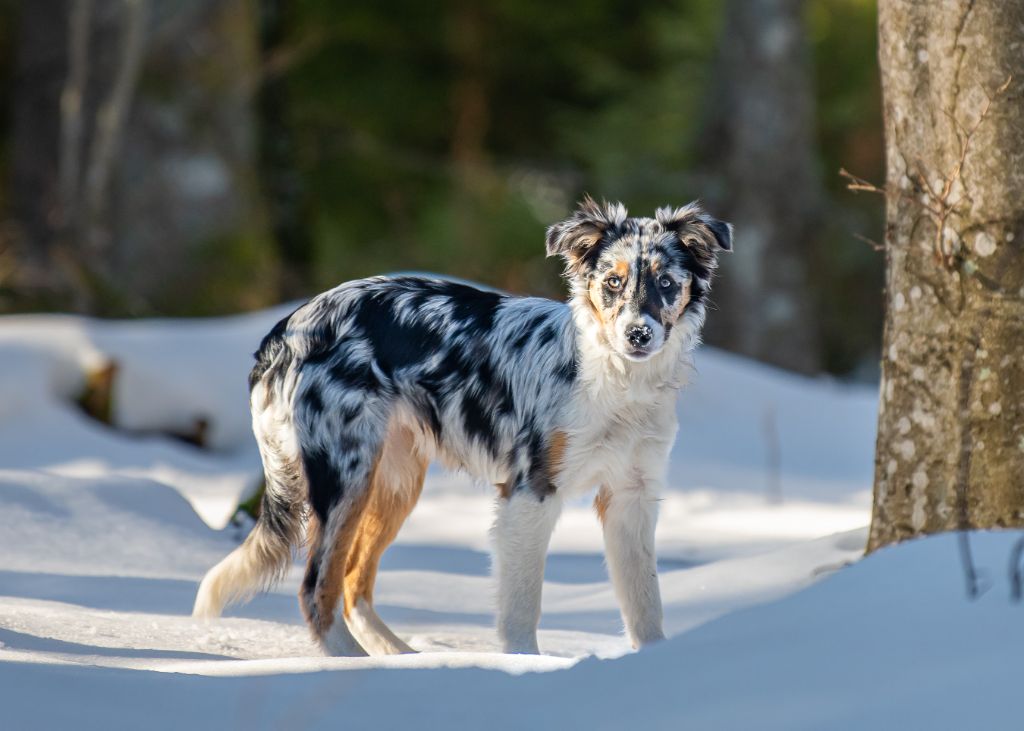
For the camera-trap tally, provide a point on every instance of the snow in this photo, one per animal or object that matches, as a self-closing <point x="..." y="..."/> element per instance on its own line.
<point x="772" y="621"/>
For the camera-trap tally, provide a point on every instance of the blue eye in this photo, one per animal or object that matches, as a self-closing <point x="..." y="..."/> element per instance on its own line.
<point x="613" y="282"/>
<point x="665" y="282"/>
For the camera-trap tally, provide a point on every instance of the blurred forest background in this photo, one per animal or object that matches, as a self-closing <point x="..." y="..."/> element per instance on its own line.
<point x="199" y="157"/>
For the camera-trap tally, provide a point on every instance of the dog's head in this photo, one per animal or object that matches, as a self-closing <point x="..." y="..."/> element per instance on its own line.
<point x="638" y="277"/>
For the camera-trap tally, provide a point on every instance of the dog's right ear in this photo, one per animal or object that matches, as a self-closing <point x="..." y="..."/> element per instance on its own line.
<point x="579" y="234"/>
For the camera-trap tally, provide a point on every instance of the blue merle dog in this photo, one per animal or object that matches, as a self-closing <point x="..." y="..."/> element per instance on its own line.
<point x="358" y="390"/>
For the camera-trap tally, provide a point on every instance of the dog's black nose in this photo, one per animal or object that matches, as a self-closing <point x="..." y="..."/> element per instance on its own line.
<point x="639" y="336"/>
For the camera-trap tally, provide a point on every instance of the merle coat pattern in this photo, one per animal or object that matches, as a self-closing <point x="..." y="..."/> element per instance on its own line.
<point x="354" y="393"/>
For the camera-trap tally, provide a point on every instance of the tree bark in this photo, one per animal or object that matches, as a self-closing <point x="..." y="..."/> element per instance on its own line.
<point x="950" y="451"/>
<point x="761" y="137"/>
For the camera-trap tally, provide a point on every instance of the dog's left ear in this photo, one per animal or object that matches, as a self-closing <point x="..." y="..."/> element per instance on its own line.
<point x="579" y="234"/>
<point x="696" y="229"/>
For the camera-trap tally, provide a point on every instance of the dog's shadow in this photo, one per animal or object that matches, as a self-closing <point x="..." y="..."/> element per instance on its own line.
<point x="167" y="596"/>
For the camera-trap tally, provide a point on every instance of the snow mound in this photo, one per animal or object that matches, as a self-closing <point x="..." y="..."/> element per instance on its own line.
<point x="106" y="530"/>
<point x="891" y="642"/>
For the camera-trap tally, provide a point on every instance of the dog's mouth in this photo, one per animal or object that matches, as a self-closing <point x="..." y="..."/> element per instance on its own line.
<point x="638" y="355"/>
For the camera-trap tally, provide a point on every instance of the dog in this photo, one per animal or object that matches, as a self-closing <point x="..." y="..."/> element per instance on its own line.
<point x="354" y="393"/>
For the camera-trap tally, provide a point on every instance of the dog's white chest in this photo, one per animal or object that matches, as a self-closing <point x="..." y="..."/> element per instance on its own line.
<point x="609" y="433"/>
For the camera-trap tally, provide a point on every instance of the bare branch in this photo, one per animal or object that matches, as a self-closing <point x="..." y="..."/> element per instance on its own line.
<point x="927" y="189"/>
<point x="974" y="582"/>
<point x="870" y="242"/>
<point x="283" y="59"/>
<point x="942" y="206"/>
<point x="938" y="203"/>
<point x="1016" y="576"/>
<point x="773" y="467"/>
<point x="857" y="184"/>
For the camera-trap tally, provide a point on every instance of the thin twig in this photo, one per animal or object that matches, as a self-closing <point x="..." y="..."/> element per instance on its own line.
<point x="964" y="387"/>
<point x="283" y="59"/>
<point x="773" y="454"/>
<point x="858" y="184"/>
<point x="939" y="203"/>
<point x="975" y="584"/>
<point x="942" y="207"/>
<point x="870" y="242"/>
<point x="1016" y="577"/>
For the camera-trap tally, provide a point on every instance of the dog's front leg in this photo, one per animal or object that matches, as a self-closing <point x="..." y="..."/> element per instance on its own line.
<point x="628" y="517"/>
<point x="522" y="532"/>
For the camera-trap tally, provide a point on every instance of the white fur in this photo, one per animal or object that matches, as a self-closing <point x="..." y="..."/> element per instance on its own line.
<point x="235" y="577"/>
<point x="371" y="632"/>
<point x="339" y="641"/>
<point x="621" y="426"/>
<point x="522" y="531"/>
<point x="630" y="515"/>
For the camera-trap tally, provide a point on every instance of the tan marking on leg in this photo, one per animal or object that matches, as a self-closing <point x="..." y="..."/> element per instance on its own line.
<point x="557" y="444"/>
<point x="601" y="502"/>
<point x="555" y="455"/>
<point x="394" y="492"/>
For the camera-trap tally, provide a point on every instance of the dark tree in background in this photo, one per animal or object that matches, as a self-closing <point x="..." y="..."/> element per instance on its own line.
<point x="38" y="78"/>
<point x="283" y="187"/>
<point x="132" y="166"/>
<point x="762" y="142"/>
<point x="950" y="450"/>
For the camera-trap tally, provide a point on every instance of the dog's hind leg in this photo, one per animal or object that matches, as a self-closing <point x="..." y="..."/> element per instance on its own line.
<point x="396" y="487"/>
<point x="332" y="635"/>
<point x="340" y="465"/>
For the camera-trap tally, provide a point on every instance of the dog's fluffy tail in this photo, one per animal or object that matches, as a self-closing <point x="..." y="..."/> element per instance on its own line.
<point x="260" y="561"/>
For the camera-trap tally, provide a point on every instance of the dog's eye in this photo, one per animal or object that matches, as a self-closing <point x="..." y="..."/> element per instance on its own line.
<point x="613" y="282"/>
<point x="665" y="282"/>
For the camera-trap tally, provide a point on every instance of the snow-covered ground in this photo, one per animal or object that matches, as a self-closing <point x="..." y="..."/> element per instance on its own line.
<point x="104" y="533"/>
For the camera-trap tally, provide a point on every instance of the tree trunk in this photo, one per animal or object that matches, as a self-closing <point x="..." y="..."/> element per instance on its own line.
<point x="471" y="172"/>
<point x="133" y="171"/>
<point x="65" y="135"/>
<point x="282" y="184"/>
<point x="39" y="77"/>
<point x="762" y="138"/>
<point x="950" y="450"/>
